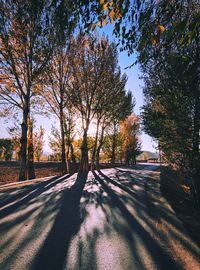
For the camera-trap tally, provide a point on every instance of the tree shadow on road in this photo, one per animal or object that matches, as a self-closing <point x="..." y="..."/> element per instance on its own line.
<point x="52" y="254"/>
<point x="163" y="261"/>
<point x="26" y="194"/>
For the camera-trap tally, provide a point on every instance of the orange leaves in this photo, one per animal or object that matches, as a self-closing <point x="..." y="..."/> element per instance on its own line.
<point x="109" y="10"/>
<point x="161" y="28"/>
<point x="112" y="16"/>
<point x="85" y="43"/>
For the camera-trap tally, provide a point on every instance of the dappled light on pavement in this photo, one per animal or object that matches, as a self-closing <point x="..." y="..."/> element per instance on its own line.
<point x="117" y="220"/>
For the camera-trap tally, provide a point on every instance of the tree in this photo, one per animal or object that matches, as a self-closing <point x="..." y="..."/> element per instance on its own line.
<point x="55" y="143"/>
<point x="172" y="108"/>
<point x="30" y="150"/>
<point x="28" y="36"/>
<point x="122" y="109"/>
<point x="141" y="24"/>
<point x="89" y="57"/>
<point x="55" y="94"/>
<point x="38" y="143"/>
<point x="130" y="131"/>
<point x="112" y="104"/>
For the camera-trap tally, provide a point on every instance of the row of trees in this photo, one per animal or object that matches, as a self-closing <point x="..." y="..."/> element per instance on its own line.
<point x="171" y="113"/>
<point x="122" y="146"/>
<point x="84" y="82"/>
<point x="10" y="148"/>
<point x="76" y="77"/>
<point x="165" y="35"/>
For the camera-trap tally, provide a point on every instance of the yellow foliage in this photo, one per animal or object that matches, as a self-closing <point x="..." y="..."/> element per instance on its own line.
<point x="104" y="22"/>
<point x="101" y="2"/>
<point x="105" y="6"/>
<point x="93" y="26"/>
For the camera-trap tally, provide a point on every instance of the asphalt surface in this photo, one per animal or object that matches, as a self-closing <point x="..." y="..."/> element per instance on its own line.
<point x="118" y="220"/>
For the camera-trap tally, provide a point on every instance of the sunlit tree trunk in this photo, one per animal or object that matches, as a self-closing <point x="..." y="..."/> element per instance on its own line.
<point x="84" y="164"/>
<point x="67" y="159"/>
<point x="113" y="146"/>
<point x="99" y="148"/>
<point x="63" y="154"/>
<point x="73" y="168"/>
<point x="95" y="148"/>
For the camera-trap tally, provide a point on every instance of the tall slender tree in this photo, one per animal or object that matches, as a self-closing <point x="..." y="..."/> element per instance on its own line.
<point x="55" y="94"/>
<point x="28" y="36"/>
<point x="90" y="60"/>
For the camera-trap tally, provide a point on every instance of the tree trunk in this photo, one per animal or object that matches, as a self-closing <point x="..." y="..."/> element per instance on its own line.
<point x="23" y="141"/>
<point x="95" y="148"/>
<point x="63" y="154"/>
<point x="30" y="161"/>
<point x="67" y="160"/>
<point x="84" y="164"/>
<point x="73" y="169"/>
<point x="134" y="160"/>
<point x="113" y="146"/>
<point x="99" y="148"/>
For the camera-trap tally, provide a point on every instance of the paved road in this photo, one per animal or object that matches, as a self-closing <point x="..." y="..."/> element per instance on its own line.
<point x="118" y="221"/>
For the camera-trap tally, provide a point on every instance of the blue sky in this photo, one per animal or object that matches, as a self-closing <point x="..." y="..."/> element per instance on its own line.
<point x="134" y="84"/>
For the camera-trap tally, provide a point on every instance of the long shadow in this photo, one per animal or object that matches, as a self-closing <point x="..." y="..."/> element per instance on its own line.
<point x="21" y="191"/>
<point x="31" y="194"/>
<point x="160" y="257"/>
<point x="52" y="254"/>
<point x="156" y="211"/>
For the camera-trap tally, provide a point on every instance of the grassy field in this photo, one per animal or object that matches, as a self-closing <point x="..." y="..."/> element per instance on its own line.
<point x="9" y="171"/>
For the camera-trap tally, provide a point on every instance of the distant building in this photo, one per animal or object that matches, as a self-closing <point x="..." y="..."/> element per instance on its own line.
<point x="147" y="156"/>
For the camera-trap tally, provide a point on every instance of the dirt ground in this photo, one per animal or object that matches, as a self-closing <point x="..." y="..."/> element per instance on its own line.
<point x="9" y="171"/>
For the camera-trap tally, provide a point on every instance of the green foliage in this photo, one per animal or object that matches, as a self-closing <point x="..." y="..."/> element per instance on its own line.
<point x="172" y="96"/>
<point x="55" y="143"/>
<point x="107" y="147"/>
<point x="6" y="149"/>
<point x="142" y="24"/>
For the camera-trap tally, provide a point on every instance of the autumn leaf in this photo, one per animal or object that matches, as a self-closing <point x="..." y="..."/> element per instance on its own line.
<point x="161" y="28"/>
<point x="101" y="2"/>
<point x="105" y="6"/>
<point x="112" y="16"/>
<point x="104" y="22"/>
